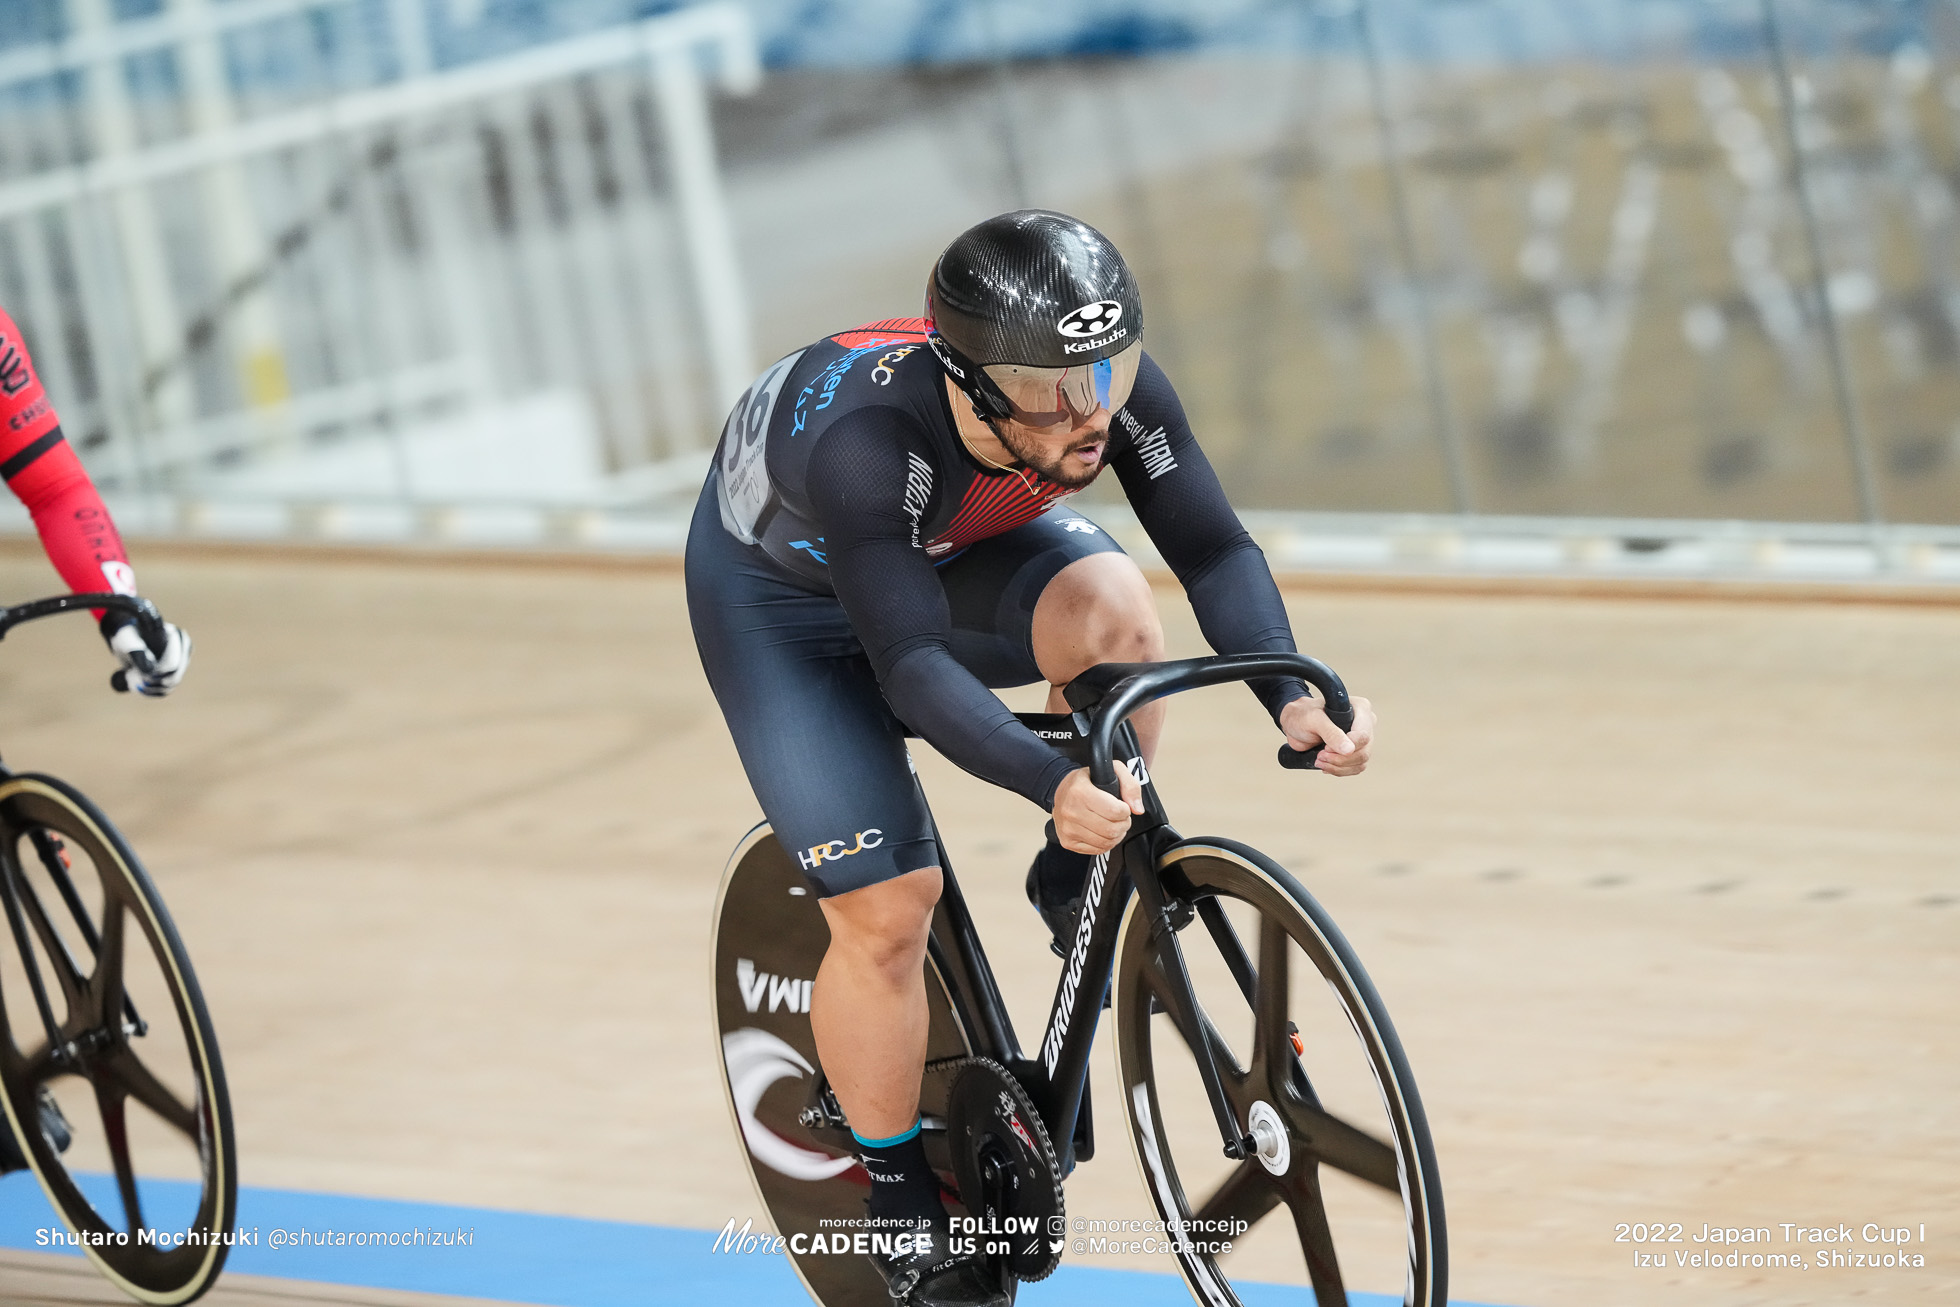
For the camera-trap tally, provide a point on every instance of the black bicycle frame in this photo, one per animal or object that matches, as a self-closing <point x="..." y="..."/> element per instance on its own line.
<point x="1057" y="1078"/>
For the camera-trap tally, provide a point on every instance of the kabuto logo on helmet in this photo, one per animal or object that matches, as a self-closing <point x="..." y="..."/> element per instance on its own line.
<point x="1091" y="319"/>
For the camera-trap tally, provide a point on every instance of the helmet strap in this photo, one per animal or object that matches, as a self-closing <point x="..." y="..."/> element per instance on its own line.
<point x="989" y="403"/>
<point x="988" y="399"/>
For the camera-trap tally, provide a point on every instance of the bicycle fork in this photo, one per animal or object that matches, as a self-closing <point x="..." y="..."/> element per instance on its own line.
<point x="1167" y="917"/>
<point x="17" y="895"/>
<point x="1091" y="968"/>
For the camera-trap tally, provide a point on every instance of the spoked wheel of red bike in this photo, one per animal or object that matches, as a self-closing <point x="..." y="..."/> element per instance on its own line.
<point x="109" y="1072"/>
<point x="1344" y="1184"/>
<point x="770" y="936"/>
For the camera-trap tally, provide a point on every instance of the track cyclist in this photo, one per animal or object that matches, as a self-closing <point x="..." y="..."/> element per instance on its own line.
<point x="82" y="543"/>
<point x="81" y="540"/>
<point x="885" y="535"/>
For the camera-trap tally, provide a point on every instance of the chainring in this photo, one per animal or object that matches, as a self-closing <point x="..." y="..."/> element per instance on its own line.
<point x="1008" y="1174"/>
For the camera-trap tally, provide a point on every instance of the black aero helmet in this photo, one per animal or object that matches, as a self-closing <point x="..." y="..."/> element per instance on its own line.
<point x="1036" y="316"/>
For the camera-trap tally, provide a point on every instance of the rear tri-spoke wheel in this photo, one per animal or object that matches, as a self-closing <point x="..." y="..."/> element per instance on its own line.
<point x="1343" y="1191"/>
<point x="109" y="1069"/>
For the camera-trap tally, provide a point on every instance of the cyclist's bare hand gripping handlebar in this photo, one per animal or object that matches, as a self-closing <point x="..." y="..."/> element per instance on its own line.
<point x="1305" y="759"/>
<point x="1090" y="821"/>
<point x="1300" y="759"/>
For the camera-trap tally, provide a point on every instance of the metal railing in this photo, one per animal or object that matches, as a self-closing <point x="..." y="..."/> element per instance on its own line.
<point x="1702" y="269"/>
<point x="413" y="255"/>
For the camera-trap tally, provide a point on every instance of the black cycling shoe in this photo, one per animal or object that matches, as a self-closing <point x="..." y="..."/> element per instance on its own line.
<point x="1045" y="892"/>
<point x="929" y="1274"/>
<point x="1061" y="918"/>
<point x="53" y="1124"/>
<point x="1060" y="921"/>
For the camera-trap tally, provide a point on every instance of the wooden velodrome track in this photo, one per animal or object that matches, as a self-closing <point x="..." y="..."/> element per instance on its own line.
<point x="1664" y="895"/>
<point x="36" y="1281"/>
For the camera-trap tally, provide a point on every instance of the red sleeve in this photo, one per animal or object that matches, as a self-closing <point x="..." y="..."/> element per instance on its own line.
<point x="42" y="470"/>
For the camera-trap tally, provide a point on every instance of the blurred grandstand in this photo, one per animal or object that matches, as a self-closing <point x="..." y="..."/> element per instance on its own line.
<point x="1465" y="283"/>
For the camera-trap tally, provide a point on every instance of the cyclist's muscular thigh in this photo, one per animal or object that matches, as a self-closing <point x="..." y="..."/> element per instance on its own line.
<point x="868" y="1010"/>
<point x="1099" y="609"/>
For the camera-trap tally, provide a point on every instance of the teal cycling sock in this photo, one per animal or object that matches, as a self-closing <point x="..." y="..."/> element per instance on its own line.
<point x="903" y="1187"/>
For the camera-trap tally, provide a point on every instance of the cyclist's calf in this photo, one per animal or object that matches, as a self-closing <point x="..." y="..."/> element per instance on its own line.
<point x="868" y="1009"/>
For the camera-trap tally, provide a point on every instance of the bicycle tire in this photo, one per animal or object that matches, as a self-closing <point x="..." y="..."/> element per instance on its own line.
<point x="162" y="1268"/>
<point x="1281" y="1086"/>
<point x="765" y="957"/>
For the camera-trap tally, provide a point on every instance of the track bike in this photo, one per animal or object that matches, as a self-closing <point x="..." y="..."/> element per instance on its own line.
<point x="1248" y="1088"/>
<point x="110" y="1081"/>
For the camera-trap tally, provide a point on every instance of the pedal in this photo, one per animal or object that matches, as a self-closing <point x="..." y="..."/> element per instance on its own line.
<point x="824" y="1114"/>
<point x="54" y="1127"/>
<point x="53" y="1124"/>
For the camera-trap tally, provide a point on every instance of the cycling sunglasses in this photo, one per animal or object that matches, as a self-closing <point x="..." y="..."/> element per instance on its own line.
<point x="1052" y="397"/>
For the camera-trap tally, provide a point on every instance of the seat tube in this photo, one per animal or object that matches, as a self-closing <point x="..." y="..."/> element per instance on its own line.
<point x="954" y="947"/>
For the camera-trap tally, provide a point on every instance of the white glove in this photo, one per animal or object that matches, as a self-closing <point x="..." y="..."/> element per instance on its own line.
<point x="144" y="670"/>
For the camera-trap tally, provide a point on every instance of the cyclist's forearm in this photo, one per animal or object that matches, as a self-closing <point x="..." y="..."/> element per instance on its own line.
<point x="1179" y="501"/>
<point x="1239" y="610"/>
<point x="75" y="528"/>
<point x="949" y="707"/>
<point x="42" y="470"/>
<point x="899" y="611"/>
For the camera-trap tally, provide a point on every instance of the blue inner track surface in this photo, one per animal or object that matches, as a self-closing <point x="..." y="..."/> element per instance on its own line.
<point x="555" y="1261"/>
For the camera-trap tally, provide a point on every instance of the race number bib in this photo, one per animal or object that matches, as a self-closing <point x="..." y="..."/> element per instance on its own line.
<point x="745" y="487"/>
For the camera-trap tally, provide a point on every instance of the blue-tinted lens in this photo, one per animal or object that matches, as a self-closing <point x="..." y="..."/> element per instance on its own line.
<point x="1102" y="372"/>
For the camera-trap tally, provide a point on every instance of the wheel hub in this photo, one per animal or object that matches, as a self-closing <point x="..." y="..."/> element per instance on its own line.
<point x="1274" y="1151"/>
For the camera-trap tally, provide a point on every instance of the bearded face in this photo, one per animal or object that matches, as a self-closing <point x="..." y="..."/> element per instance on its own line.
<point x="1071" y="456"/>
